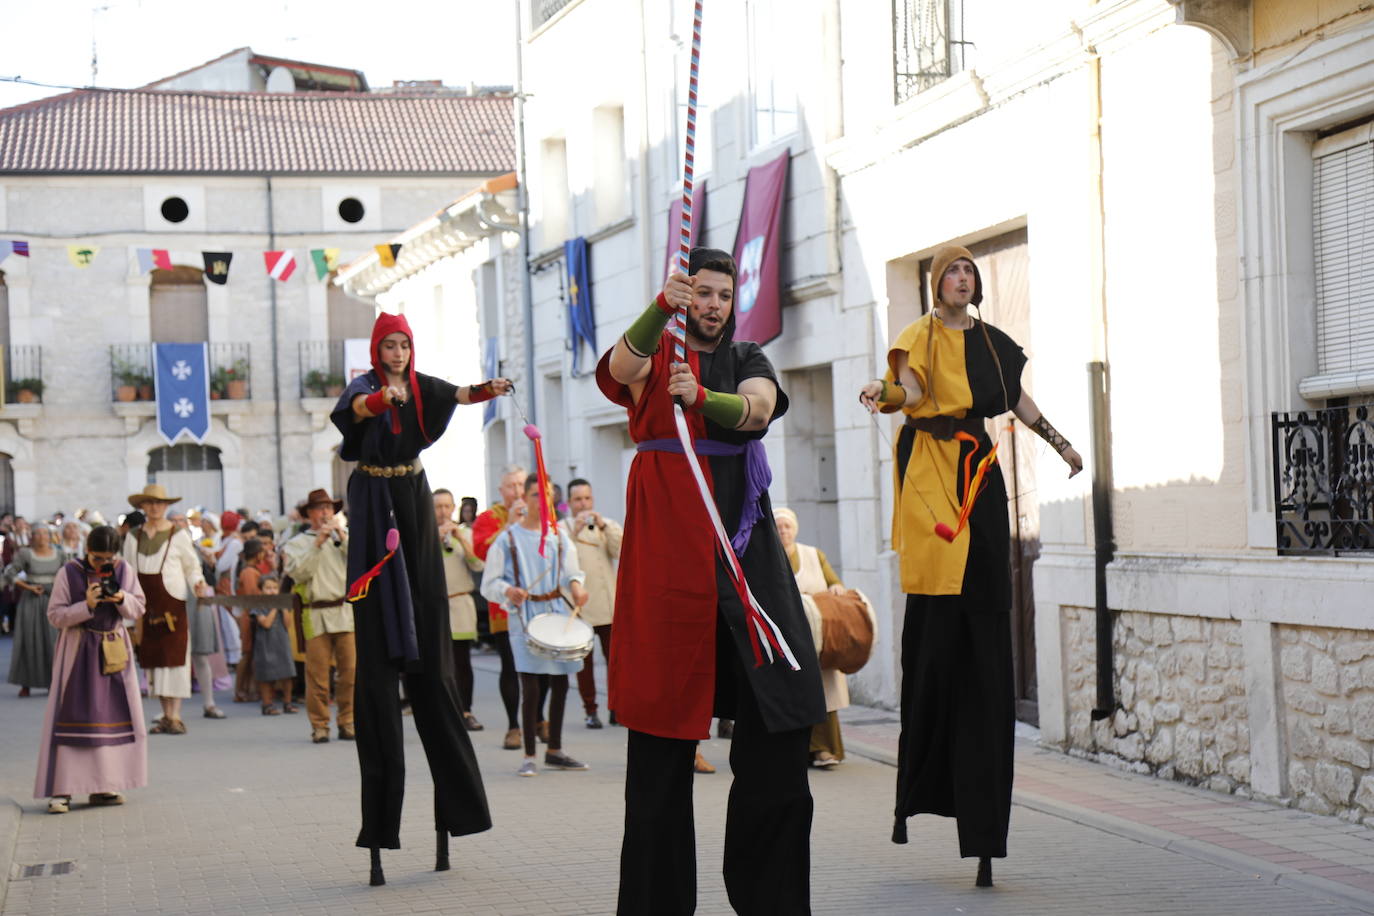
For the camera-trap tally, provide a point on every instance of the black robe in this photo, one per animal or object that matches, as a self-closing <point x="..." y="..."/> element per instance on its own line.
<point x="402" y="624"/>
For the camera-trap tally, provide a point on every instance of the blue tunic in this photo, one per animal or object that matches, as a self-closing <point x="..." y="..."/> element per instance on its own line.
<point x="537" y="575"/>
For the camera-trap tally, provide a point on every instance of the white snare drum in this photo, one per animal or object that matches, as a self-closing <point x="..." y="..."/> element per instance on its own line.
<point x="558" y="637"/>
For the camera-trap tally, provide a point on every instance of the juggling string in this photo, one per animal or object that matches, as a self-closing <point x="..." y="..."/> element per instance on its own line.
<point x="764" y="635"/>
<point x="532" y="433"/>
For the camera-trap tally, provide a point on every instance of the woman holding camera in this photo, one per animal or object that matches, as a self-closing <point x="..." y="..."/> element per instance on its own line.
<point x="100" y="747"/>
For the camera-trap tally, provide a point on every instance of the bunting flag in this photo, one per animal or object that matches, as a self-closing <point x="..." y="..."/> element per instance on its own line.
<point x="150" y="259"/>
<point x="82" y="255"/>
<point x="280" y="264"/>
<point x="491" y="366"/>
<point x="183" y="390"/>
<point x="326" y="259"/>
<point x="758" y="306"/>
<point x="217" y="266"/>
<point x="581" y="315"/>
<point x="386" y="254"/>
<point x="675" y="223"/>
<point x="15" y="247"/>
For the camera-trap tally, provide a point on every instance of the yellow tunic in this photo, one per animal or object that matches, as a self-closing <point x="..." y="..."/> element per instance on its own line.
<point x="931" y="565"/>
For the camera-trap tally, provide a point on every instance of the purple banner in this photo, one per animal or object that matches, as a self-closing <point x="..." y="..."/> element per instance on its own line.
<point x="758" y="308"/>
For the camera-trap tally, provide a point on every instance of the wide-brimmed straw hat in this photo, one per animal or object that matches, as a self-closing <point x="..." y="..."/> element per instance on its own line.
<point x="318" y="498"/>
<point x="152" y="493"/>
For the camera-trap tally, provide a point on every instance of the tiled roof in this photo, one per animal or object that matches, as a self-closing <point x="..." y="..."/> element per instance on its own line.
<point x="125" y="132"/>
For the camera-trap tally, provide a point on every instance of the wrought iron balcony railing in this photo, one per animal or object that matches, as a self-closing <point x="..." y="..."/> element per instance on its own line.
<point x="322" y="368"/>
<point x="132" y="373"/>
<point x="1324" y="481"/>
<point x="24" y="374"/>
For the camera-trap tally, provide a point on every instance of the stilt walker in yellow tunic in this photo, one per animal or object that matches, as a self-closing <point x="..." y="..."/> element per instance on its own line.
<point x="948" y="372"/>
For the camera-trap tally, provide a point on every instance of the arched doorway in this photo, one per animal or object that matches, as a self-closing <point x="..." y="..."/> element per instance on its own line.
<point x="191" y="472"/>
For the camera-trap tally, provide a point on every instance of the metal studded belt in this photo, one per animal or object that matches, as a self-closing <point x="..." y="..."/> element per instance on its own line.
<point x="399" y="470"/>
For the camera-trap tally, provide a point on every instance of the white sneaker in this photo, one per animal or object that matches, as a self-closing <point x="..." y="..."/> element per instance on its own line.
<point x="527" y="769"/>
<point x="59" y="804"/>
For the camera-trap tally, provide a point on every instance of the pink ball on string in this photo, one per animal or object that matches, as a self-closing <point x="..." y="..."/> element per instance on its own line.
<point x="532" y="431"/>
<point x="393" y="539"/>
<point x="945" y="532"/>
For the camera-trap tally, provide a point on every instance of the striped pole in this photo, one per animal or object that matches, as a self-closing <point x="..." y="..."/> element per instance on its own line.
<point x="679" y="326"/>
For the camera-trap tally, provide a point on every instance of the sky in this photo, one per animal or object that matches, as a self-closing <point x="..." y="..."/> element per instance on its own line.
<point x="138" y="41"/>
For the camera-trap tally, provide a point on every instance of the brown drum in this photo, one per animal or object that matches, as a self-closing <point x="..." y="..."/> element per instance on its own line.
<point x="846" y="630"/>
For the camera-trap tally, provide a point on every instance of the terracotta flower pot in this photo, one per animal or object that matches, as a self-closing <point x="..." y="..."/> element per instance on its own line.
<point x="236" y="390"/>
<point x="215" y="394"/>
<point x="126" y="393"/>
<point x="145" y="392"/>
<point x="333" y="391"/>
<point x="25" y="396"/>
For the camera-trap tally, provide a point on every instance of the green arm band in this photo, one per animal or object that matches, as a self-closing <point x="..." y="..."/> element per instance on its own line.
<point x="722" y="409"/>
<point x="643" y="336"/>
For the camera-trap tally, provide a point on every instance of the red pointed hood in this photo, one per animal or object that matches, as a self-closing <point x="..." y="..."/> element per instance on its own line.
<point x="392" y="324"/>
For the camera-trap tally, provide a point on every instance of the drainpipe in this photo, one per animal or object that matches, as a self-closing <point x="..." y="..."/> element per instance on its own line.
<point x="276" y="363"/>
<point x="645" y="241"/>
<point x="523" y="205"/>
<point x="1104" y="539"/>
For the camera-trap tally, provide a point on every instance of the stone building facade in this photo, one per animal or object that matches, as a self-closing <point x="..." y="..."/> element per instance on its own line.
<point x="194" y="170"/>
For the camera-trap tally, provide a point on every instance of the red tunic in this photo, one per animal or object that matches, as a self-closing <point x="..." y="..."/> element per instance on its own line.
<point x="663" y="657"/>
<point x="485" y="528"/>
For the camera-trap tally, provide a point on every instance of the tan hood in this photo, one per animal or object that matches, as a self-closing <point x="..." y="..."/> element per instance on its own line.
<point x="940" y="263"/>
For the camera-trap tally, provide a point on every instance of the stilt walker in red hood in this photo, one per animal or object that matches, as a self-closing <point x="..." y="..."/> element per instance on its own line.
<point x="400" y="603"/>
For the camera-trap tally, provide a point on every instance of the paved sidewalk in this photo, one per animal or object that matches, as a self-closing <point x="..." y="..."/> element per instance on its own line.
<point x="245" y="816"/>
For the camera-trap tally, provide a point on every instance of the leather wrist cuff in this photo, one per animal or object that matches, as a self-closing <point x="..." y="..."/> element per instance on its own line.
<point x="479" y="393"/>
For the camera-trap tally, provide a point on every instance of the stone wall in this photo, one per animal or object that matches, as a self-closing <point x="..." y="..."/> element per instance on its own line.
<point x="1181" y="686"/>
<point x="1328" y="698"/>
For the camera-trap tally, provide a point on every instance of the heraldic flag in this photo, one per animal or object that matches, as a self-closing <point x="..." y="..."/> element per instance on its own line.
<point x="326" y="259"/>
<point x="217" y="266"/>
<point x="13" y="246"/>
<point x="758" y="308"/>
<point x="183" y="390"/>
<point x="280" y="264"/>
<point x="150" y="259"/>
<point x="82" y="255"/>
<point x="581" y="315"/>
<point x="386" y="254"/>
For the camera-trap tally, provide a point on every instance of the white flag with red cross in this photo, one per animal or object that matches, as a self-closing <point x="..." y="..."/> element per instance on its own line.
<point x="280" y="264"/>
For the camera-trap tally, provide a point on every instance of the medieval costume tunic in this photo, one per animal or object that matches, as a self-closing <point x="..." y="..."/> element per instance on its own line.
<point x="402" y="622"/>
<point x="108" y="750"/>
<point x="682" y="653"/>
<point x="34" y="636"/>
<point x="955" y="750"/>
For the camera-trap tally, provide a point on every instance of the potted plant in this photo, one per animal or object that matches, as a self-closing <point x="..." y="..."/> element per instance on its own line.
<point x="236" y="388"/>
<point x="128" y="376"/>
<point x="333" y="385"/>
<point x="28" y="390"/>
<point x="219" y="383"/>
<point x="315" y="382"/>
<point x="144" y="381"/>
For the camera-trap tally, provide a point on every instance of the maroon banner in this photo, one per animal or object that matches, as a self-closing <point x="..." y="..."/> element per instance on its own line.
<point x="758" y="307"/>
<point x="675" y="225"/>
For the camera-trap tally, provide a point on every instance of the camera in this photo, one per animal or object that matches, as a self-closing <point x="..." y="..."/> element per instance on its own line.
<point x="109" y="585"/>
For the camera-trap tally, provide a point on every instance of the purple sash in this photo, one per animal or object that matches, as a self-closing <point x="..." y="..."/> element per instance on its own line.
<point x="757" y="477"/>
<point x="93" y="710"/>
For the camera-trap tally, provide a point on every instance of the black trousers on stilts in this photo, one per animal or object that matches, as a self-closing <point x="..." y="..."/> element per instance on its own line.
<point x="767" y="864"/>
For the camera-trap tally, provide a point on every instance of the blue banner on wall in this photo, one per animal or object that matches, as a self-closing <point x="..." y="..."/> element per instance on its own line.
<point x="581" y="316"/>
<point x="183" y="390"/>
<point x="491" y="367"/>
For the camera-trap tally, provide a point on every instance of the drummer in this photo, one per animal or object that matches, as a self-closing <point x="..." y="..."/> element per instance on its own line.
<point x="528" y="584"/>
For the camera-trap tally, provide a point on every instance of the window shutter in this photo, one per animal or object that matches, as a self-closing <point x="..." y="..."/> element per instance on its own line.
<point x="1343" y="237"/>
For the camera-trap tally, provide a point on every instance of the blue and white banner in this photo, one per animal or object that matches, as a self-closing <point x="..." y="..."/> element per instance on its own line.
<point x="183" y="390"/>
<point x="581" y="314"/>
<point x="491" y="365"/>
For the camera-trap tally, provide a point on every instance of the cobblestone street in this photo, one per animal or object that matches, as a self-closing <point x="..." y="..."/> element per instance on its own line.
<point x="246" y="816"/>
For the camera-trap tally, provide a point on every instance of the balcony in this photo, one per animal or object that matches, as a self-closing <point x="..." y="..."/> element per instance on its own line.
<point x="322" y="368"/>
<point x="23" y="374"/>
<point x="132" y="374"/>
<point x="1324" y="481"/>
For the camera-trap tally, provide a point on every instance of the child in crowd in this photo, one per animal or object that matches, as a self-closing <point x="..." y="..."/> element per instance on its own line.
<point x="273" y="666"/>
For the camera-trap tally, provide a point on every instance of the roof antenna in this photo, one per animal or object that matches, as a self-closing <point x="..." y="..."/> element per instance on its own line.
<point x="95" y="67"/>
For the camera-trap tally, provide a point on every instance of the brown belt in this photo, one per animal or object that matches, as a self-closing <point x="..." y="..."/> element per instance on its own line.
<point x="548" y="596"/>
<point x="944" y="428"/>
<point x="319" y="604"/>
<point x="399" y="470"/>
<point x="456" y="594"/>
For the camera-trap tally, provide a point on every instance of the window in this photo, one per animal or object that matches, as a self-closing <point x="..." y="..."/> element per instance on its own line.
<point x="773" y="53"/>
<point x="190" y="472"/>
<point x="927" y="44"/>
<point x="541" y="11"/>
<point x="1343" y="251"/>
<point x="6" y="484"/>
<point x="556" y="222"/>
<point x="178" y="310"/>
<point x="609" y="190"/>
